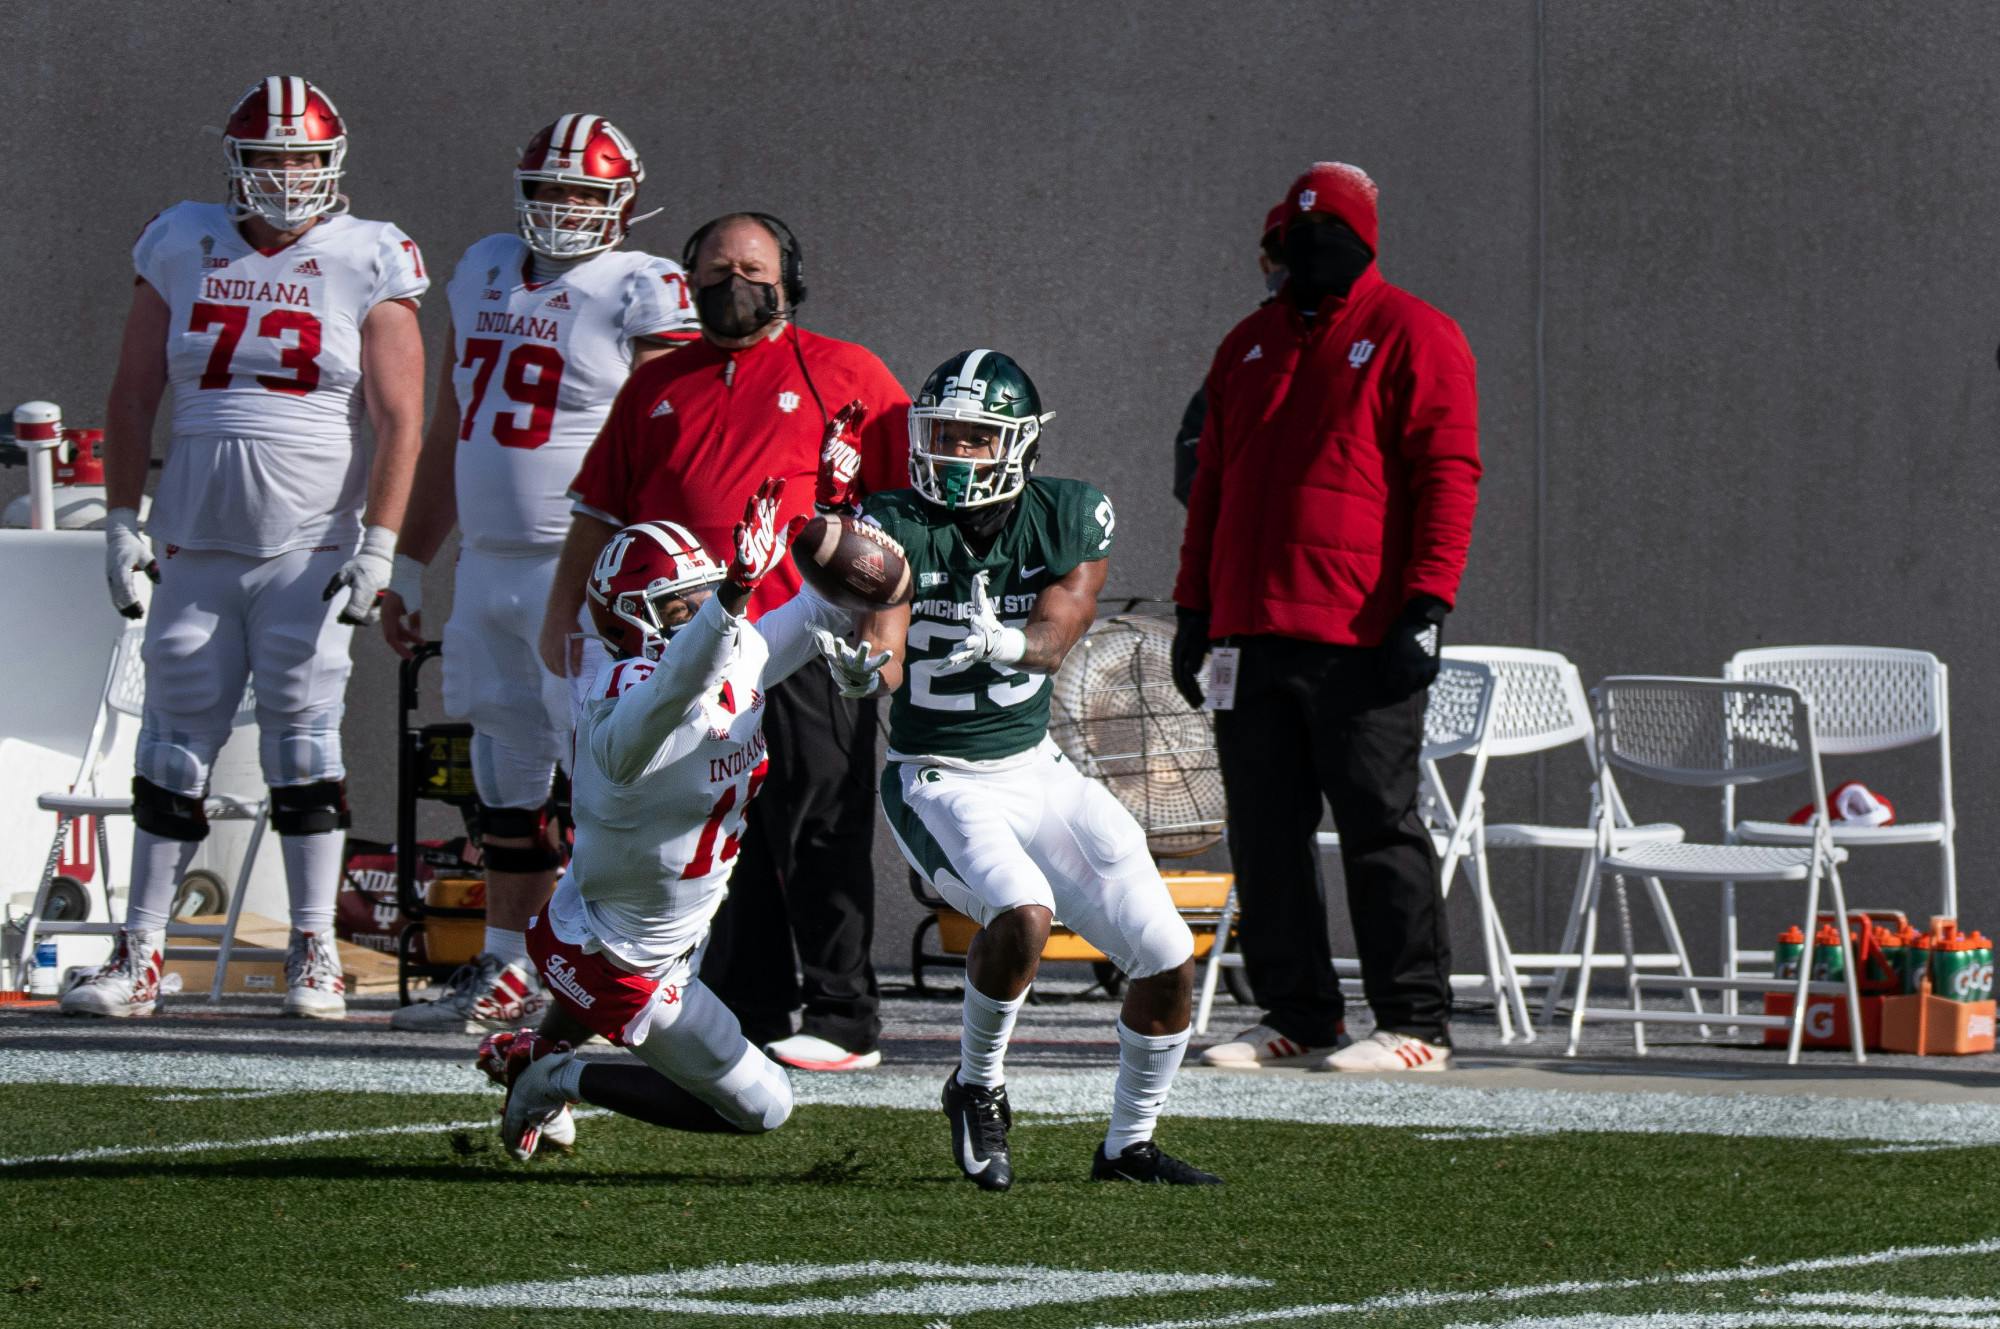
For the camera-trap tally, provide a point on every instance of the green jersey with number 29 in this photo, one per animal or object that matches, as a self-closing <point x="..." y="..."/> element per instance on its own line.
<point x="984" y="711"/>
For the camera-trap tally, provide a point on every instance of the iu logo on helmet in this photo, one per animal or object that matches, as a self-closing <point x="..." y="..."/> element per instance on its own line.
<point x="1359" y="353"/>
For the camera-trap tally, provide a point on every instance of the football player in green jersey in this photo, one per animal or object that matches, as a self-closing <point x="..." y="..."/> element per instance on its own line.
<point x="1006" y="570"/>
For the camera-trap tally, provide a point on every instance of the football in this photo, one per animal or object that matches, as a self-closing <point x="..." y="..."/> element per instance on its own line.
<point x="851" y="563"/>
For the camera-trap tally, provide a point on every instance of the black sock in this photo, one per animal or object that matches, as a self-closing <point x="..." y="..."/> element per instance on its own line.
<point x="646" y="1095"/>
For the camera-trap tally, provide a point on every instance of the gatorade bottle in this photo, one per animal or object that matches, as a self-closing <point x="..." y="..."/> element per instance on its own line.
<point x="1955" y="969"/>
<point x="1827" y="964"/>
<point x="1982" y="962"/>
<point x="1885" y="972"/>
<point x="1921" y="951"/>
<point x="1791" y="947"/>
<point x="1911" y="961"/>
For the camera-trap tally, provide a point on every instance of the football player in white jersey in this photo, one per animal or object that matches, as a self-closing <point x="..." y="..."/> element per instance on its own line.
<point x="278" y="321"/>
<point x="547" y="322"/>
<point x="669" y="753"/>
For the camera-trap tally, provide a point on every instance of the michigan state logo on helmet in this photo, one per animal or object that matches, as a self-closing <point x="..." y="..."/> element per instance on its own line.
<point x="974" y="430"/>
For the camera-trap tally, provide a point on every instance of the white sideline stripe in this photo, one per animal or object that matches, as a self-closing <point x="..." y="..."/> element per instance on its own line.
<point x="1748" y="1273"/>
<point x="238" y="1096"/>
<point x="1316" y="1100"/>
<point x="1729" y="1320"/>
<point x="1887" y="1301"/>
<point x="267" y="1142"/>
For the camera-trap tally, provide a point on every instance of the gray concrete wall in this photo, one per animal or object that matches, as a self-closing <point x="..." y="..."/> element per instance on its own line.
<point x="1751" y="233"/>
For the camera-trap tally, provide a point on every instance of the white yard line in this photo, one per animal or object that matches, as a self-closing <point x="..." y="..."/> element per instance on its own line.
<point x="1748" y="1273"/>
<point x="1421" y="1104"/>
<point x="266" y="1142"/>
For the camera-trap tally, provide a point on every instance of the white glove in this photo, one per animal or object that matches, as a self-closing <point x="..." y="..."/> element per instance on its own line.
<point x="856" y="671"/>
<point x="365" y="576"/>
<point x="126" y="552"/>
<point x="986" y="637"/>
<point x="407" y="584"/>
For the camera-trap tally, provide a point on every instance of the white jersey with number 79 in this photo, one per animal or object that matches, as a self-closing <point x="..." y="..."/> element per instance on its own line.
<point x="264" y="359"/>
<point x="536" y="366"/>
<point x="668" y="757"/>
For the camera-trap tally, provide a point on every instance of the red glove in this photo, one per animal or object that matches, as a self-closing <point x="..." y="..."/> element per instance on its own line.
<point x="840" y="461"/>
<point x="759" y="547"/>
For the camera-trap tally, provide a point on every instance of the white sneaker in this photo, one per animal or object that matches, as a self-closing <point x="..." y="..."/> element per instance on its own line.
<point x="314" y="986"/>
<point x="533" y="1101"/>
<point x="1384" y="1051"/>
<point x="1261" y="1046"/>
<point x="808" y="1052"/>
<point x="128" y="984"/>
<point x="487" y="994"/>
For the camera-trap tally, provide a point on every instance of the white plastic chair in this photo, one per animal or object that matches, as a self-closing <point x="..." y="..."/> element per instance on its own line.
<point x="1716" y="734"/>
<point x="122" y="704"/>
<point x="1865" y="699"/>
<point x="1539" y="705"/>
<point x="1455" y="724"/>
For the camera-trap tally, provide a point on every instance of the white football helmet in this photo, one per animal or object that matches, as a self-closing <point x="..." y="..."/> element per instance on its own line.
<point x="285" y="114"/>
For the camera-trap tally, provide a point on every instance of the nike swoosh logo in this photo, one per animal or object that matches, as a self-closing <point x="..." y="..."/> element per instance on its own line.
<point x="973" y="1167"/>
<point x="1038" y="569"/>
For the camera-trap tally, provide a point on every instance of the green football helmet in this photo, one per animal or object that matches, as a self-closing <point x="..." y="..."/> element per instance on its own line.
<point x="989" y="392"/>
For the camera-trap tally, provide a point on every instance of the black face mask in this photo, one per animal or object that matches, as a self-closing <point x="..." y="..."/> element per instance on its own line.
<point x="1324" y="258"/>
<point x="736" y="306"/>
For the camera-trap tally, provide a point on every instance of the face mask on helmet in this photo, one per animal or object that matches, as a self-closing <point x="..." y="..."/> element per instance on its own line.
<point x="572" y="229"/>
<point x="284" y="197"/>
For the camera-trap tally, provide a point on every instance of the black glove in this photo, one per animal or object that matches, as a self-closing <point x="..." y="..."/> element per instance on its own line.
<point x="1410" y="651"/>
<point x="1190" y="649"/>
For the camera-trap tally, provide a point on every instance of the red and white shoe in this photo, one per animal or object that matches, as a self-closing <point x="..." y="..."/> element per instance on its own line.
<point x="533" y="1101"/>
<point x="559" y="1131"/>
<point x="127" y="985"/>
<point x="1384" y="1051"/>
<point x="486" y="994"/>
<point x="1260" y="1046"/>
<point x="314" y="986"/>
<point x="808" y="1052"/>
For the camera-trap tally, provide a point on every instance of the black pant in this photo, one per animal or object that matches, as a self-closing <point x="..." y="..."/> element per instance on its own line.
<point x="806" y="874"/>
<point x="1313" y="721"/>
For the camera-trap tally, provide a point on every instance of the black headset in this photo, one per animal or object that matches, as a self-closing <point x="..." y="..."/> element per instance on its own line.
<point x="791" y="263"/>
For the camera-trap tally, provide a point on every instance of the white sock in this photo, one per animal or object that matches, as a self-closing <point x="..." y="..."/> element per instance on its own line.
<point x="157" y="867"/>
<point x="568" y="1079"/>
<point x="982" y="1037"/>
<point x="511" y="947"/>
<point x="312" y="877"/>
<point x="1146" y="1066"/>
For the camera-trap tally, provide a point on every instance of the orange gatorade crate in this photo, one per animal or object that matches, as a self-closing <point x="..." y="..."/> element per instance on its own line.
<point x="1934" y="1027"/>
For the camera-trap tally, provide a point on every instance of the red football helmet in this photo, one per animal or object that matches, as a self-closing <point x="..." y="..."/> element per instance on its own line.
<point x="585" y="150"/>
<point x="285" y="114"/>
<point x="640" y="570"/>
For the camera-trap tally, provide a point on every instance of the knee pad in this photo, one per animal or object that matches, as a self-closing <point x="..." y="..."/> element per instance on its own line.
<point x="309" y="809"/>
<point x="164" y="813"/>
<point x="530" y="824"/>
<point x="510" y="771"/>
<point x="1157" y="938"/>
<point x="299" y="751"/>
<point x="697" y="1043"/>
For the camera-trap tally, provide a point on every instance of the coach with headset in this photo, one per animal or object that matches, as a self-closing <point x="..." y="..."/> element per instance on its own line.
<point x="689" y="436"/>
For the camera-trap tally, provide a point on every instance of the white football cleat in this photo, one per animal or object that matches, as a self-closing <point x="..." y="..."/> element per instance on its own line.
<point x="486" y="994"/>
<point x="1260" y="1046"/>
<point x="559" y="1131"/>
<point x="314" y="986"/>
<point x="1384" y="1051"/>
<point x="808" y="1052"/>
<point x="127" y="985"/>
<point x="533" y="1101"/>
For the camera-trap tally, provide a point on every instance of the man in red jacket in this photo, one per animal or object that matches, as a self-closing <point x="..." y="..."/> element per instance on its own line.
<point x="1326" y="534"/>
<point x="755" y="397"/>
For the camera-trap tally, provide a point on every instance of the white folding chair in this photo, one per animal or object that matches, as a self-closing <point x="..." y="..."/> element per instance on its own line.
<point x="1539" y="705"/>
<point x="1714" y="734"/>
<point x="1865" y="699"/>
<point x="1455" y="723"/>
<point x="123" y="701"/>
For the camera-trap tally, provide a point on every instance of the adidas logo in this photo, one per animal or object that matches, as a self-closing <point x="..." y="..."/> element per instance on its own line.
<point x="664" y="408"/>
<point x="1256" y="353"/>
<point x="560" y="300"/>
<point x="490" y="294"/>
<point x="309" y="268"/>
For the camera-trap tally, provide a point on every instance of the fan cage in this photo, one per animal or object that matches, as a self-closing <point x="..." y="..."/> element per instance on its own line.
<point x="1115" y="713"/>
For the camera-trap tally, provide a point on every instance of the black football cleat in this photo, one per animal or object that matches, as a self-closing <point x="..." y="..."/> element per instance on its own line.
<point x="1146" y="1162"/>
<point x="979" y="1120"/>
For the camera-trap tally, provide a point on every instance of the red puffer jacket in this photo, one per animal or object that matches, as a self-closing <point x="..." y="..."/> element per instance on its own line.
<point x="1338" y="469"/>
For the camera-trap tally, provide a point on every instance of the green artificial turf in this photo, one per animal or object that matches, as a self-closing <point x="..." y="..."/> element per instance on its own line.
<point x="340" y="1232"/>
